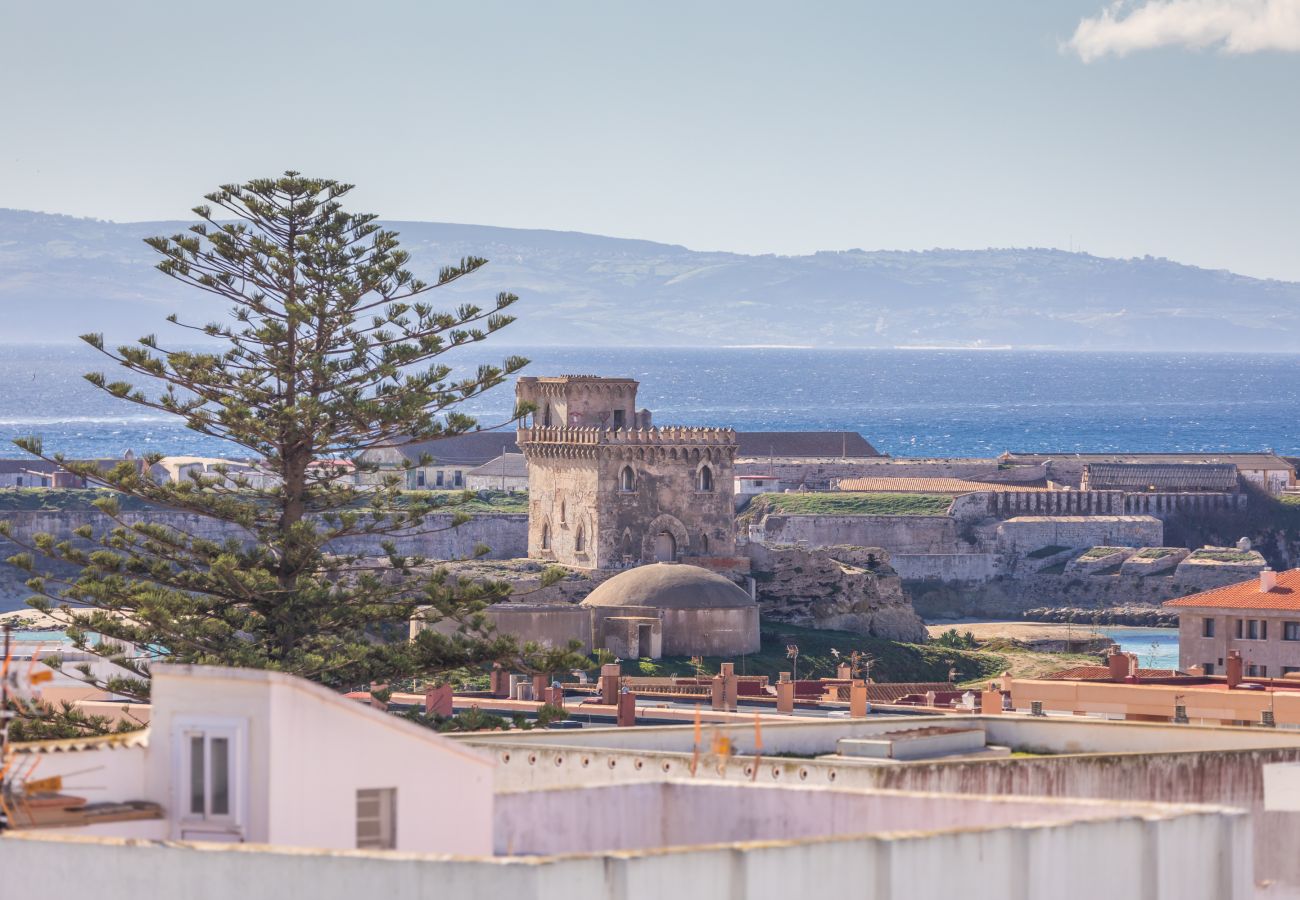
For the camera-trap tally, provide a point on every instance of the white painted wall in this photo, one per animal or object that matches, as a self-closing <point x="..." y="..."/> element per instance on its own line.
<point x="685" y="812"/>
<point x="1200" y="855"/>
<point x="309" y="751"/>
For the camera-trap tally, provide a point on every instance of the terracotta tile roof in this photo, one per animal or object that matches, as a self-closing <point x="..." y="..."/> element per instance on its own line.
<point x="884" y="484"/>
<point x="1285" y="595"/>
<point x="888" y="692"/>
<point x="1102" y="673"/>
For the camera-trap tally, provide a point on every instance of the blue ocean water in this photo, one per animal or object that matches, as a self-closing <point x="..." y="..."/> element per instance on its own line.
<point x="906" y="402"/>
<point x="1156" y="648"/>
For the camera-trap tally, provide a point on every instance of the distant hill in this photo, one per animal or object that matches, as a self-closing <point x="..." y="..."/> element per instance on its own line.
<point x="60" y="276"/>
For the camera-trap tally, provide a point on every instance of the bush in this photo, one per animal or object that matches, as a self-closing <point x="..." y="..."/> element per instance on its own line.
<point x="951" y="638"/>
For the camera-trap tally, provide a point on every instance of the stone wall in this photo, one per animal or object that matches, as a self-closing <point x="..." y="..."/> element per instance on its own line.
<point x="549" y="624"/>
<point x="666" y="501"/>
<point x="562" y="503"/>
<point x="1028" y="533"/>
<point x="1145" y="566"/>
<point x="504" y="534"/>
<point x="821" y="474"/>
<point x="897" y="534"/>
<point x="947" y="566"/>
<point x="1008" y="504"/>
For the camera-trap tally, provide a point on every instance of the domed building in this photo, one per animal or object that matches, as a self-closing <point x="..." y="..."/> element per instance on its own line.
<point x="672" y="609"/>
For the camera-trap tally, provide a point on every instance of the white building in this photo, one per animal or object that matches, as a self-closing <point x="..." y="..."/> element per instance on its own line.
<point x="748" y="485"/>
<point x="261" y="786"/>
<point x="249" y="756"/>
<point x="508" y="472"/>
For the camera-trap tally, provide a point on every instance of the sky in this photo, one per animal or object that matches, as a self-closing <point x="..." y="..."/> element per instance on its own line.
<point x="1156" y="127"/>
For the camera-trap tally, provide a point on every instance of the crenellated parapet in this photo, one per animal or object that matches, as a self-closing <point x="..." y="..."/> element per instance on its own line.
<point x="661" y="436"/>
<point x="673" y="442"/>
<point x="609" y="489"/>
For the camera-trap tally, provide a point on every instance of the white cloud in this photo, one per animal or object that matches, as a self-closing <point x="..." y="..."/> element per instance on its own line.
<point x="1233" y="26"/>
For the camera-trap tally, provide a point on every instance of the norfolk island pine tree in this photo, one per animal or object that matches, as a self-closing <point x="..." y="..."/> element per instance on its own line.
<point x="330" y="349"/>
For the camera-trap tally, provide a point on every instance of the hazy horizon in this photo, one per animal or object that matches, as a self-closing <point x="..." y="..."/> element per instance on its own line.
<point x="1133" y="130"/>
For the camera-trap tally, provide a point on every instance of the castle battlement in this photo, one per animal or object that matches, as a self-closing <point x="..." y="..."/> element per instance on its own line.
<point x="678" y="435"/>
<point x="608" y="489"/>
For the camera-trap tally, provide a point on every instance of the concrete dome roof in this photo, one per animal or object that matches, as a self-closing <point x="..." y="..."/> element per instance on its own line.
<point x="669" y="586"/>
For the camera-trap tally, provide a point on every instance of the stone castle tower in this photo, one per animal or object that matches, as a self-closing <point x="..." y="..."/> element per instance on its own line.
<point x="607" y="489"/>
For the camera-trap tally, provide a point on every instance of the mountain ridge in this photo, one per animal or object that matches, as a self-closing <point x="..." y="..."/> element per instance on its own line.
<point x="58" y="273"/>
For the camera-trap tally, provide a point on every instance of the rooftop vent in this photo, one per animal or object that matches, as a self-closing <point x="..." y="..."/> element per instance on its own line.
<point x="1267" y="580"/>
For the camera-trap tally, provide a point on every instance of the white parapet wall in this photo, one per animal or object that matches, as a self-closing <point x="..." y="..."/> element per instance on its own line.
<point x="688" y="844"/>
<point x="1064" y="756"/>
<point x="1282" y="787"/>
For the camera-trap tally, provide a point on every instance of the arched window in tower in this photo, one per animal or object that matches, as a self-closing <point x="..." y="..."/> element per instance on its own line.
<point x="705" y="479"/>
<point x="564" y="509"/>
<point x="546" y="537"/>
<point x="546" y="416"/>
<point x="627" y="480"/>
<point x="580" y="540"/>
<point x="704" y="545"/>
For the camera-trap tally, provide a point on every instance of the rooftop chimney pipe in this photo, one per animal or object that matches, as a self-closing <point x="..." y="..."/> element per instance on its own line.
<point x="1233" y="670"/>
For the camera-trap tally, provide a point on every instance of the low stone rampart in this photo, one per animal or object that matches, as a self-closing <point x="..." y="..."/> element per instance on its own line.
<point x="947" y="566"/>
<point x="897" y="534"/>
<point x="1156" y="561"/>
<point x="1026" y="534"/>
<point x="504" y="534"/>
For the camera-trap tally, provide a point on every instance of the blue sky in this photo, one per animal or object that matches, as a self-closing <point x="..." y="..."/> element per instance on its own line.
<point x="1167" y="128"/>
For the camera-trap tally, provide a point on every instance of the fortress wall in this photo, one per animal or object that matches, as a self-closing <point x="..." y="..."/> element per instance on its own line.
<point x="819" y="473"/>
<point x="896" y="534"/>
<point x="1165" y="505"/>
<point x="1025" y="534"/>
<point x="505" y="534"/>
<point x="1009" y="504"/>
<point x="947" y="566"/>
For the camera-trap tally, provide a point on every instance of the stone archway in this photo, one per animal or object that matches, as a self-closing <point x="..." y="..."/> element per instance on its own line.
<point x="665" y="538"/>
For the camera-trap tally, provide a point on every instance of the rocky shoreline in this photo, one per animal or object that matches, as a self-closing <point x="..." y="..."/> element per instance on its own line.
<point x="1138" y="616"/>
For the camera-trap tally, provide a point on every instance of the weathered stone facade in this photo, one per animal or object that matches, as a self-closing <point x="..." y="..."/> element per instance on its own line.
<point x="608" y="490"/>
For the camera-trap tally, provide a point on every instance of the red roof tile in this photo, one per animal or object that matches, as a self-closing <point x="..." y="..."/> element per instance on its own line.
<point x="1102" y="673"/>
<point x="1285" y="595"/>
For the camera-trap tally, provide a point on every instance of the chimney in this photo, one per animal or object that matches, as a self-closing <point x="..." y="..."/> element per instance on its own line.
<point x="1233" y="669"/>
<point x="1267" y="580"/>
<point x="1118" y="664"/>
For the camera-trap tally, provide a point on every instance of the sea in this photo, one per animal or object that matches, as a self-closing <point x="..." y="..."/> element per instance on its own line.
<point x="922" y="403"/>
<point x="1156" y="648"/>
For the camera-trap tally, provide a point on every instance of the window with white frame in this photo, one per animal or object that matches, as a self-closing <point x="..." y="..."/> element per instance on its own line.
<point x="377" y="819"/>
<point x="209" y="776"/>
